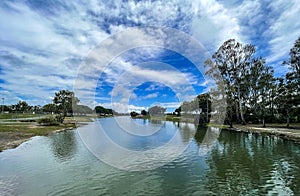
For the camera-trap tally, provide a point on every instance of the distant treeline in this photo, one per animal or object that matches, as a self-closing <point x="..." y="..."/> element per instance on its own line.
<point x="64" y="103"/>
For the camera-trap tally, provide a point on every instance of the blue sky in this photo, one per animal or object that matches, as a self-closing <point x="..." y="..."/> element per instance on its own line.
<point x="43" y="44"/>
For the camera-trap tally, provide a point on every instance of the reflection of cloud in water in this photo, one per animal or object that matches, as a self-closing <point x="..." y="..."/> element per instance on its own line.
<point x="209" y="140"/>
<point x="101" y="141"/>
<point x="187" y="131"/>
<point x="134" y="126"/>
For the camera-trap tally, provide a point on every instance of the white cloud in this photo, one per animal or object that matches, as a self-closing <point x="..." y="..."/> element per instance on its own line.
<point x="124" y="108"/>
<point x="284" y="29"/>
<point x="43" y="46"/>
<point x="214" y="24"/>
<point x="150" y="96"/>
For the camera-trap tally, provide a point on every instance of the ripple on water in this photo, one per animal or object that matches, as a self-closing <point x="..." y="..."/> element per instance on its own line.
<point x="8" y="185"/>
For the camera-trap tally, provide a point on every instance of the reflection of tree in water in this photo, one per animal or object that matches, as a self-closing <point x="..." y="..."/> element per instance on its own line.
<point x="63" y="145"/>
<point x="187" y="131"/>
<point x="199" y="135"/>
<point x="251" y="164"/>
<point x="156" y="122"/>
<point x="206" y="138"/>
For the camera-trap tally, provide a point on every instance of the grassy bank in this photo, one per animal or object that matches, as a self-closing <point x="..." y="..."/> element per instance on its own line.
<point x="16" y="116"/>
<point x="14" y="133"/>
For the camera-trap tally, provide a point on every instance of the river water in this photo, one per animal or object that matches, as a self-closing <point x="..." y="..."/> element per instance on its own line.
<point x="213" y="162"/>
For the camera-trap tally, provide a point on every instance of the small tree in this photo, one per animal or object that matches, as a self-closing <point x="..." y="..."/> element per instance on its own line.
<point x="64" y="101"/>
<point x="133" y="114"/>
<point x="144" y="113"/>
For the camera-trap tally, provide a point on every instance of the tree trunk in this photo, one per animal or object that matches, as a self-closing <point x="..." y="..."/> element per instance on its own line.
<point x="241" y="107"/>
<point x="287" y="119"/>
<point x="237" y="114"/>
<point x="230" y="124"/>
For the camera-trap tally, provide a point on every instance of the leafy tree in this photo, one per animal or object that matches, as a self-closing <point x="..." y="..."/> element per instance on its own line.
<point x="264" y="86"/>
<point x="50" y="107"/>
<point x="21" y="106"/>
<point x="294" y="61"/>
<point x="64" y="100"/>
<point x="178" y="111"/>
<point x="100" y="110"/>
<point x="144" y="113"/>
<point x="205" y="104"/>
<point x="289" y="93"/>
<point x="36" y="108"/>
<point x="156" y="111"/>
<point x="233" y="60"/>
<point x="133" y="114"/>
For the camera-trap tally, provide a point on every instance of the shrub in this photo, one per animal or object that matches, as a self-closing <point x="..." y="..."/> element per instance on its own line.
<point x="48" y="121"/>
<point x="59" y="118"/>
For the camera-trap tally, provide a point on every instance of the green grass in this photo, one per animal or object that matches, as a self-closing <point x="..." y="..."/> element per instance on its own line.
<point x="32" y="129"/>
<point x="15" y="115"/>
<point x="16" y="131"/>
<point x="79" y="119"/>
<point x="173" y="118"/>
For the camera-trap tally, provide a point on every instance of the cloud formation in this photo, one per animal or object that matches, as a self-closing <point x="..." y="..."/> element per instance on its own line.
<point x="44" y="42"/>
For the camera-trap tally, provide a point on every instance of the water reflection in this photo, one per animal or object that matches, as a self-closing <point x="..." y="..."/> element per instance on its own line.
<point x="236" y="164"/>
<point x="206" y="138"/>
<point x="187" y="131"/>
<point x="63" y="145"/>
<point x="252" y="164"/>
<point x="157" y="122"/>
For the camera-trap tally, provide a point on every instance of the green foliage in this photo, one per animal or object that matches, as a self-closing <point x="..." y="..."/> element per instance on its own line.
<point x="50" y="108"/>
<point x="144" y="113"/>
<point x="21" y="106"/>
<point x="59" y="118"/>
<point x="156" y="111"/>
<point x="253" y="94"/>
<point x="51" y="120"/>
<point x="100" y="110"/>
<point x="134" y="114"/>
<point x="233" y="60"/>
<point x="64" y="101"/>
<point x="48" y="121"/>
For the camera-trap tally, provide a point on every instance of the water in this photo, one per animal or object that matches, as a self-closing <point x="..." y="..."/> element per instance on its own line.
<point x="233" y="164"/>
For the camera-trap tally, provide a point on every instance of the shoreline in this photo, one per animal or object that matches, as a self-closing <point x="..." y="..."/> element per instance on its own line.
<point x="14" y="143"/>
<point x="278" y="130"/>
<point x="14" y="135"/>
<point x="292" y="134"/>
<point x="14" y="139"/>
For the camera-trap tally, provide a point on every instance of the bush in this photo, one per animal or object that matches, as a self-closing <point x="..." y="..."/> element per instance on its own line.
<point x="48" y="121"/>
<point x="59" y="118"/>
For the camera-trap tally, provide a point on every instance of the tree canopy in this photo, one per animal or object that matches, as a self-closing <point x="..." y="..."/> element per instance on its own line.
<point x="156" y="110"/>
<point x="64" y="101"/>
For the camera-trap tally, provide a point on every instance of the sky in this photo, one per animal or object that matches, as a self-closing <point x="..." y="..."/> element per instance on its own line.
<point x="46" y="45"/>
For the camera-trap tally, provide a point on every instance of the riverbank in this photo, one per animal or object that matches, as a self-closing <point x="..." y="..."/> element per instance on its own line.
<point x="278" y="130"/>
<point x="12" y="134"/>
